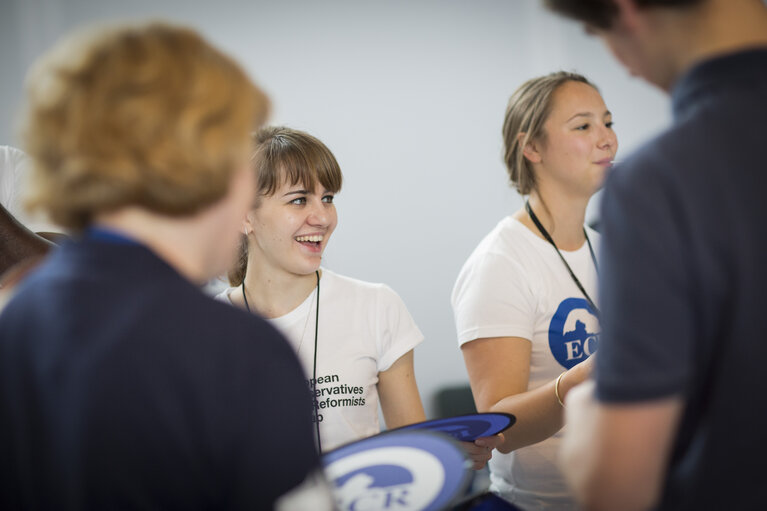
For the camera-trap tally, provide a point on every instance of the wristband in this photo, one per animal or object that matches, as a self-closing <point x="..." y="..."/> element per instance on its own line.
<point x="556" y="389"/>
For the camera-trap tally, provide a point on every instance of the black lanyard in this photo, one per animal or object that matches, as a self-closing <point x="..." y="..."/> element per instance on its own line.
<point x="546" y="235"/>
<point x="314" y="369"/>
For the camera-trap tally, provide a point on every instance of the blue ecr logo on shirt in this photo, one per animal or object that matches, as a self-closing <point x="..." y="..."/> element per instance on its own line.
<point x="397" y="471"/>
<point x="573" y="332"/>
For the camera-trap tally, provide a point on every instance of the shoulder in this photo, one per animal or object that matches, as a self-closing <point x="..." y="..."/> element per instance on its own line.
<point x="154" y="305"/>
<point x="497" y="278"/>
<point x="510" y="239"/>
<point x="505" y="250"/>
<point x="671" y="175"/>
<point x="356" y="289"/>
<point x="240" y="346"/>
<point x="647" y="175"/>
<point x="345" y="284"/>
<point x="231" y="322"/>
<point x="703" y="144"/>
<point x="506" y="231"/>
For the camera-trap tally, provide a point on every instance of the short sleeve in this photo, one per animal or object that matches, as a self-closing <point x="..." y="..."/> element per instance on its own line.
<point x="397" y="331"/>
<point x="647" y="324"/>
<point x="493" y="298"/>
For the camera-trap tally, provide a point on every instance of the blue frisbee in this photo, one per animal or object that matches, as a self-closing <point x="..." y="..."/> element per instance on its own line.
<point x="406" y="470"/>
<point x="467" y="428"/>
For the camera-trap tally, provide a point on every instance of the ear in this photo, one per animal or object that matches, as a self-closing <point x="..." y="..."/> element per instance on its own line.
<point x="246" y="227"/>
<point x="530" y="150"/>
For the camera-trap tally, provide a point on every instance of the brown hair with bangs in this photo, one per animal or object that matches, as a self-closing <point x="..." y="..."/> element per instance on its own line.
<point x="285" y="155"/>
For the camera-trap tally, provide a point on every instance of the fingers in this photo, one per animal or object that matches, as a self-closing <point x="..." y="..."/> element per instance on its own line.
<point x="481" y="450"/>
<point x="478" y="455"/>
<point x="490" y="441"/>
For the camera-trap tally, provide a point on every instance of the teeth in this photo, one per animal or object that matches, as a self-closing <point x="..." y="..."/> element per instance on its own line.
<point x="315" y="238"/>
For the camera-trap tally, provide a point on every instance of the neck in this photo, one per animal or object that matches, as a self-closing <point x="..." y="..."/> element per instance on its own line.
<point x="184" y="243"/>
<point x="717" y="27"/>
<point x="561" y="216"/>
<point x="274" y="294"/>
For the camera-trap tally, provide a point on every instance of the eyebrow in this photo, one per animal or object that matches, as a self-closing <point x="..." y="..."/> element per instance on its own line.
<point x="297" y="192"/>
<point x="589" y="115"/>
<point x="304" y="192"/>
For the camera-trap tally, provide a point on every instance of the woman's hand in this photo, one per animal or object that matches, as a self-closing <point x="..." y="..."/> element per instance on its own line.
<point x="481" y="450"/>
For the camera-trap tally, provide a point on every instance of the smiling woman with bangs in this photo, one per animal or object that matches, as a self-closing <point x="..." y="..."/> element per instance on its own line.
<point x="355" y="339"/>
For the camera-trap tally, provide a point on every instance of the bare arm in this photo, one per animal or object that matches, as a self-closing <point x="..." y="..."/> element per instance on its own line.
<point x="614" y="456"/>
<point x="401" y="405"/>
<point x="499" y="371"/>
<point x="398" y="392"/>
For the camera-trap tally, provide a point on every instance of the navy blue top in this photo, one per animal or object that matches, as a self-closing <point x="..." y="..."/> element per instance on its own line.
<point x="684" y="281"/>
<point x="123" y="386"/>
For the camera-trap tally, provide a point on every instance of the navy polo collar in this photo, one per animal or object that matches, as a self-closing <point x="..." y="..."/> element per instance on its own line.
<point x="729" y="74"/>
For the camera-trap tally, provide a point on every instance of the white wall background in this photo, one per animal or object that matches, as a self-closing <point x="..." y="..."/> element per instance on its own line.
<point x="408" y="94"/>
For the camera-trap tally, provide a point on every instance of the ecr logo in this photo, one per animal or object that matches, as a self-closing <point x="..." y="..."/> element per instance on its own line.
<point x="415" y="470"/>
<point x="573" y="332"/>
<point x="387" y="478"/>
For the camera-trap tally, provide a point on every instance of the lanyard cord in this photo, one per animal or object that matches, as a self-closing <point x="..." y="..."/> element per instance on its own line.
<point x="546" y="235"/>
<point x="314" y="369"/>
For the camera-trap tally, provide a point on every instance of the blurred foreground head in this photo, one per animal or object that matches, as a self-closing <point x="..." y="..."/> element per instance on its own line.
<point x="146" y="115"/>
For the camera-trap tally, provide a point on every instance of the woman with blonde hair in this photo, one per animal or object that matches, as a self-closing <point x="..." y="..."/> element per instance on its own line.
<point x="525" y="302"/>
<point x="123" y="385"/>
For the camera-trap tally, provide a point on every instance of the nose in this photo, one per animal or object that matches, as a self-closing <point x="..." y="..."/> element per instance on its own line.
<point x="608" y="140"/>
<point x="318" y="215"/>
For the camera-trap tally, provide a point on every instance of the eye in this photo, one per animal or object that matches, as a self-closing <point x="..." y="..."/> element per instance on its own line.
<point x="298" y="201"/>
<point x="328" y="199"/>
<point x="583" y="127"/>
<point x="609" y="124"/>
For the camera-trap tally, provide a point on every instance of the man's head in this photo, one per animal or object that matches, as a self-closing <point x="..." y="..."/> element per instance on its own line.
<point x="660" y="40"/>
<point x="148" y="116"/>
<point x="644" y="35"/>
<point x="601" y="14"/>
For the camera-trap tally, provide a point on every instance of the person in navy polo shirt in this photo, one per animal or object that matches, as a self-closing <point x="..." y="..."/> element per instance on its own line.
<point x="121" y="384"/>
<point x="674" y="420"/>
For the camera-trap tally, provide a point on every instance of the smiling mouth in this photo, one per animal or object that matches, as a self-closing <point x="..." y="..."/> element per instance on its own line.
<point x="313" y="240"/>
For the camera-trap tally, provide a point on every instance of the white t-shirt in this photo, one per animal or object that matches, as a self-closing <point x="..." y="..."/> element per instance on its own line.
<point x="363" y="329"/>
<point x="515" y="285"/>
<point x="13" y="182"/>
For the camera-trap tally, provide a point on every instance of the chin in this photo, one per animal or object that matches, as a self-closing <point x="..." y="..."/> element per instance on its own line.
<point x="307" y="269"/>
